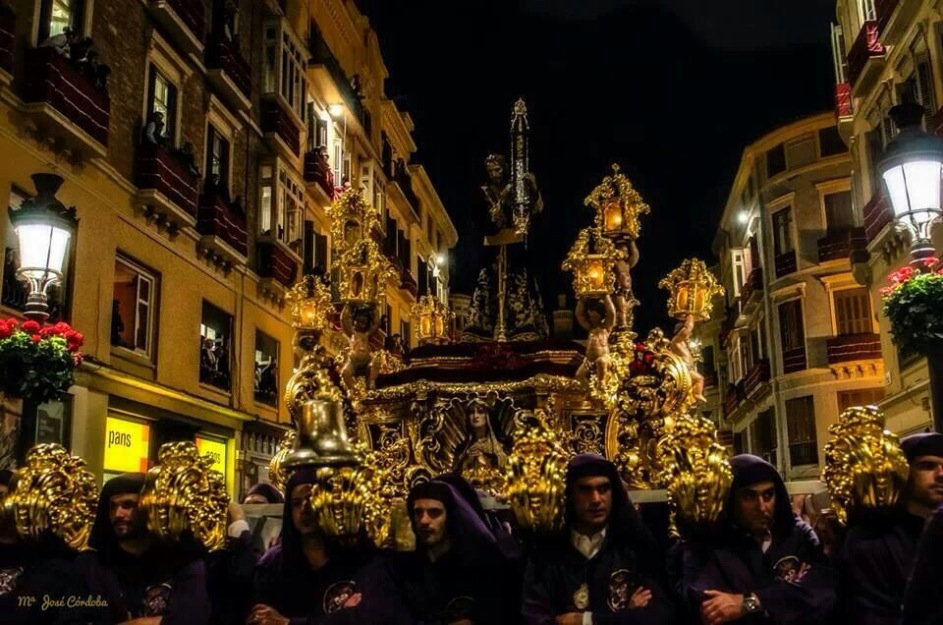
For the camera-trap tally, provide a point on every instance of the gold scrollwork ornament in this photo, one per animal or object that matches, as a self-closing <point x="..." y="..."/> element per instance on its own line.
<point x="536" y="476"/>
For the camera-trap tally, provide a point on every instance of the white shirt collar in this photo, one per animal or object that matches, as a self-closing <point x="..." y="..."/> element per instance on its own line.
<point x="589" y="546"/>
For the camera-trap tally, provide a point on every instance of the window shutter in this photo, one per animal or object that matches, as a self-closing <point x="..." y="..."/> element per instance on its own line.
<point x="924" y="84"/>
<point x="171" y="121"/>
<point x="151" y="86"/>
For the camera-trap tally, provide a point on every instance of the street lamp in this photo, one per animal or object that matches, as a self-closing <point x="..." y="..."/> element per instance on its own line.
<point x="911" y="169"/>
<point x="44" y="228"/>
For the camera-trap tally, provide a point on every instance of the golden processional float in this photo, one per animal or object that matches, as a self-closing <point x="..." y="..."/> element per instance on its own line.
<point x="506" y="410"/>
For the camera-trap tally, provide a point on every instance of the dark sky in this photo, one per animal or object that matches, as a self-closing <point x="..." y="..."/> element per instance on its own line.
<point x="672" y="90"/>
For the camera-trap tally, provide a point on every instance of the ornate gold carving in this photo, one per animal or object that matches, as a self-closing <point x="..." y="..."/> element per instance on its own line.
<point x="432" y="319"/>
<point x="692" y="289"/>
<point x="310" y="302"/>
<point x="536" y="473"/>
<point x="184" y="494"/>
<point x="53" y="492"/>
<point x="694" y="469"/>
<point x="346" y="502"/>
<point x="864" y="465"/>
<point x="618" y="205"/>
<point x="276" y="467"/>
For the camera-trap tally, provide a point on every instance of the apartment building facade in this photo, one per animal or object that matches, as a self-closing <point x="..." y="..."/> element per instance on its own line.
<point x="884" y="51"/>
<point x="201" y="143"/>
<point x="799" y="340"/>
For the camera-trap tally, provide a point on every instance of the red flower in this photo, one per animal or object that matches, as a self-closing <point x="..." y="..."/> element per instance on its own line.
<point x="36" y="338"/>
<point x="31" y="327"/>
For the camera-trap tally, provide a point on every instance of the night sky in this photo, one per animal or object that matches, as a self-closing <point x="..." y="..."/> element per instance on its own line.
<point x="672" y="90"/>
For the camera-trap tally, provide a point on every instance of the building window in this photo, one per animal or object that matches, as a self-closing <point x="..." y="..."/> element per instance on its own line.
<point x="830" y="142"/>
<point x="738" y="263"/>
<point x="763" y="435"/>
<point x="266" y="369"/>
<point x="782" y="231"/>
<point x="852" y="312"/>
<point x="422" y="275"/>
<point x="134" y="308"/>
<point x="217" y="158"/>
<point x="800" y="421"/>
<point x="707" y="360"/>
<point x="281" y="206"/>
<point x="921" y="85"/>
<point x="56" y="16"/>
<point x="866" y="11"/>
<point x="15" y="292"/>
<point x="161" y="99"/>
<point x="405" y="332"/>
<point x="215" y="347"/>
<point x="776" y="161"/>
<point x="739" y="442"/>
<point x="790" y="325"/>
<point x="860" y="397"/>
<point x="839" y="214"/>
<point x="283" y="67"/>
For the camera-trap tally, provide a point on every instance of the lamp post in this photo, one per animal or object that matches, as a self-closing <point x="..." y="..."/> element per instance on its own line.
<point x="911" y="170"/>
<point x="44" y="229"/>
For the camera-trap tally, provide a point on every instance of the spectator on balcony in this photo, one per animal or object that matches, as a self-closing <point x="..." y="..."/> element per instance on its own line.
<point x="154" y="129"/>
<point x="187" y="158"/>
<point x="97" y="71"/>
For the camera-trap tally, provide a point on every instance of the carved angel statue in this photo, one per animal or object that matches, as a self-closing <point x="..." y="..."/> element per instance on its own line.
<point x="359" y="324"/>
<point x="623" y="297"/>
<point x="598" y="317"/>
<point x="681" y="346"/>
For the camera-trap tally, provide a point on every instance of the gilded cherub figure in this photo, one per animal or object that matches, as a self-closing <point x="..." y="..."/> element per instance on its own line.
<point x="681" y="346"/>
<point x="359" y="324"/>
<point x="598" y="317"/>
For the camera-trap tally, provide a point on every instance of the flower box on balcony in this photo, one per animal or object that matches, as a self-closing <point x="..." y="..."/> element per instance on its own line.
<point x="220" y="219"/>
<point x="785" y="263"/>
<point x="229" y="72"/>
<point x="843" y="100"/>
<point x="277" y="263"/>
<point x="854" y="347"/>
<point x="280" y="128"/>
<point x="7" y="37"/>
<point x="52" y="80"/>
<point x="167" y="181"/>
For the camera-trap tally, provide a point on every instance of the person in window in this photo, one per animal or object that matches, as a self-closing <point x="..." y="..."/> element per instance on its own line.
<point x="761" y="563"/>
<point x="117" y="325"/>
<point x="881" y="545"/>
<point x="601" y="568"/>
<point x="154" y="129"/>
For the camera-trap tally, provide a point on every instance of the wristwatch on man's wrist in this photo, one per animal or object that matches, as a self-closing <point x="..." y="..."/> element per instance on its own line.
<point x="751" y="603"/>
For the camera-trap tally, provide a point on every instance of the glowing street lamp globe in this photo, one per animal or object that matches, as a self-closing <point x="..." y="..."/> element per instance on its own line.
<point x="44" y="229"/>
<point x="911" y="170"/>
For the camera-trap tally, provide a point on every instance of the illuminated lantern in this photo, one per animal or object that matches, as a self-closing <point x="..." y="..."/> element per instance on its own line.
<point x="310" y="301"/>
<point x="432" y="320"/>
<point x="692" y="288"/>
<point x="591" y="260"/>
<point x="618" y="206"/>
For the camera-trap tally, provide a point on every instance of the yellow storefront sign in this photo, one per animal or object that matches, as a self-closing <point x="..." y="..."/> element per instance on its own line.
<point x="215" y="450"/>
<point x="126" y="445"/>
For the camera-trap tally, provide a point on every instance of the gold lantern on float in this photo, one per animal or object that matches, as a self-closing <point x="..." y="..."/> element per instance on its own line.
<point x="310" y="302"/>
<point x="433" y="320"/>
<point x="618" y="206"/>
<point x="591" y="260"/>
<point x="692" y="288"/>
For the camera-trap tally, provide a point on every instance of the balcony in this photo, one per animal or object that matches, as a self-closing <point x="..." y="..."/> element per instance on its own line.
<point x="843" y="102"/>
<point x="732" y="398"/>
<point x="408" y="283"/>
<point x="7" y="39"/>
<point x="223" y="226"/>
<point x="280" y="129"/>
<point x="839" y="245"/>
<point x="853" y="347"/>
<point x="65" y="101"/>
<point x="167" y="188"/>
<point x="758" y="375"/>
<point x="877" y="214"/>
<point x="277" y="263"/>
<point x="228" y="72"/>
<point x="319" y="176"/>
<point x="866" y="58"/>
<point x="785" y="263"/>
<point x="729" y="323"/>
<point x="751" y="292"/>
<point x="325" y="63"/>
<point x="894" y="16"/>
<point x="183" y="20"/>
<point x="794" y="359"/>
<point x="402" y="182"/>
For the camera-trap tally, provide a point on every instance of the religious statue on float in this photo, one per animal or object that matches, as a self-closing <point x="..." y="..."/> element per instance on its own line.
<point x="506" y="304"/>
